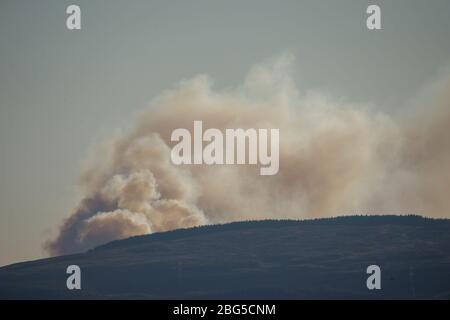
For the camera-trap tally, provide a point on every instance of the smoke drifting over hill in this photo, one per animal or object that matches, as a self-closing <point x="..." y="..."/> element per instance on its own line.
<point x="336" y="158"/>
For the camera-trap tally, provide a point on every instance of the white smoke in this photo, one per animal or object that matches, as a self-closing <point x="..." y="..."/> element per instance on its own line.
<point x="336" y="158"/>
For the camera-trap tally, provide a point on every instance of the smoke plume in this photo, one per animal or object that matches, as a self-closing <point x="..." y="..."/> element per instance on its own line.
<point x="336" y="158"/>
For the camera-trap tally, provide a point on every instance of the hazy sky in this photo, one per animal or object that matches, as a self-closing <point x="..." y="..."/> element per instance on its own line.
<point x="60" y="89"/>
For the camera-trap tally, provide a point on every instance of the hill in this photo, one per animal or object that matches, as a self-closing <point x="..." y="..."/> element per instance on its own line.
<point x="314" y="259"/>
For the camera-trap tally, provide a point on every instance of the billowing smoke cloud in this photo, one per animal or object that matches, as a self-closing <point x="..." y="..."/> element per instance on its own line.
<point x="336" y="158"/>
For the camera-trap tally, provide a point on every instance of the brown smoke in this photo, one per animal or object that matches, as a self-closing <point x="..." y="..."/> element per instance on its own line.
<point x="336" y="158"/>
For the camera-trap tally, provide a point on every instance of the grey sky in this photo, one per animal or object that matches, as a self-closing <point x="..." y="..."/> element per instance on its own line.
<point x="60" y="89"/>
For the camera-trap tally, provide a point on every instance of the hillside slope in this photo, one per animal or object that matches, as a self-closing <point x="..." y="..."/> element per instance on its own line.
<point x="324" y="258"/>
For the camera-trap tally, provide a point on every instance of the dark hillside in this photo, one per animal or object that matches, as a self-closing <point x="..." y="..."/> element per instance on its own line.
<point x="324" y="258"/>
